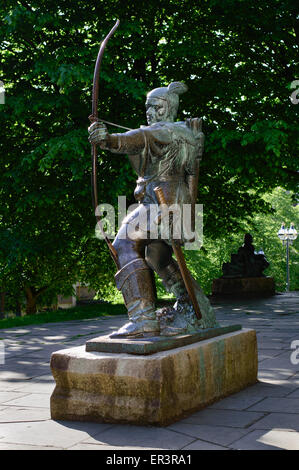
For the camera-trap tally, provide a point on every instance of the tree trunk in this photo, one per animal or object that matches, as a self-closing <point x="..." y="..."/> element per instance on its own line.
<point x="18" y="309"/>
<point x="2" y="307"/>
<point x="31" y="298"/>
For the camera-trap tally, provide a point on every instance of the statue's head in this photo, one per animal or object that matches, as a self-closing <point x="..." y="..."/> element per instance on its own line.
<point x="248" y="239"/>
<point x="162" y="103"/>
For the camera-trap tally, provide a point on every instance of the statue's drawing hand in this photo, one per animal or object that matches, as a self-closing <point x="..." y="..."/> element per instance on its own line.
<point x="97" y="133"/>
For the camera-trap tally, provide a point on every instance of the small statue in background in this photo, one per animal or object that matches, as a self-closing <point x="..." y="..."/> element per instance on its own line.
<point x="246" y="263"/>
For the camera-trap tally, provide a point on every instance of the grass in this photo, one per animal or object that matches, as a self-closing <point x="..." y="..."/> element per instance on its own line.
<point x="80" y="312"/>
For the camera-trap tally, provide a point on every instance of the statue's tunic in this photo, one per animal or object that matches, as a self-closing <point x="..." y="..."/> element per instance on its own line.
<point x="164" y="155"/>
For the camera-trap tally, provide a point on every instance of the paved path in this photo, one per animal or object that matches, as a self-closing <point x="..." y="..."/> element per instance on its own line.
<point x="263" y="416"/>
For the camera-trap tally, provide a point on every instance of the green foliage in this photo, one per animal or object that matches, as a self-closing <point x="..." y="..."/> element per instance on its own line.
<point x="206" y="264"/>
<point x="264" y="231"/>
<point x="238" y="59"/>
<point x="79" y="312"/>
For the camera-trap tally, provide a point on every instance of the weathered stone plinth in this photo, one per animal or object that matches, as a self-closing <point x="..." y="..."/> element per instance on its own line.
<point x="244" y="286"/>
<point x="156" y="389"/>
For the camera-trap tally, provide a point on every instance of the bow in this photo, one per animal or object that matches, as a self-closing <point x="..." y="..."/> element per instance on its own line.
<point x="94" y="117"/>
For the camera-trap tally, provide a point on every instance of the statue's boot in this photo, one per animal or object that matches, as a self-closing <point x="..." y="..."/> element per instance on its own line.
<point x="180" y="318"/>
<point x="173" y="282"/>
<point x="135" y="282"/>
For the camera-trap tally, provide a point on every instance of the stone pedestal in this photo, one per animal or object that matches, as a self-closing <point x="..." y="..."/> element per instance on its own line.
<point x="156" y="389"/>
<point x="244" y="286"/>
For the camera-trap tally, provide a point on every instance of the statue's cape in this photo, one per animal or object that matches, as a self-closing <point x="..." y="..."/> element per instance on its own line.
<point x="171" y="146"/>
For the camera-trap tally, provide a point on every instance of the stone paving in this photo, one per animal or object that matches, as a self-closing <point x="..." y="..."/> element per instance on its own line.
<point x="263" y="416"/>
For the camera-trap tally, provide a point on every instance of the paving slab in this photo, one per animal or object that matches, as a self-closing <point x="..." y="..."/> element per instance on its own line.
<point x="44" y="353"/>
<point x="267" y="344"/>
<point x="287" y="355"/>
<point x="231" y="418"/>
<point x="294" y="394"/>
<point x="33" y="400"/>
<point x="10" y="395"/>
<point x="32" y="386"/>
<point x="287" y="405"/>
<point x="14" y="414"/>
<point x="222" y="435"/>
<point x="85" y="446"/>
<point x="272" y="375"/>
<point x="7" y="446"/>
<point x="281" y="362"/>
<point x="17" y="350"/>
<point x="282" y="421"/>
<point x="19" y="373"/>
<point x="285" y="386"/>
<point x="202" y="445"/>
<point x="276" y="334"/>
<point x="6" y="385"/>
<point x="45" y="377"/>
<point x="18" y="331"/>
<point x="26" y="363"/>
<point x="262" y="389"/>
<point x="271" y="420"/>
<point x="9" y="384"/>
<point x="268" y="440"/>
<point x="295" y="379"/>
<point x="268" y="354"/>
<point x="53" y="433"/>
<point x="150" y="437"/>
<point x="235" y="403"/>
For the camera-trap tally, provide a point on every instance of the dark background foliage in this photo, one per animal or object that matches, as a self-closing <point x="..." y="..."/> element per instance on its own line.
<point x="238" y="59"/>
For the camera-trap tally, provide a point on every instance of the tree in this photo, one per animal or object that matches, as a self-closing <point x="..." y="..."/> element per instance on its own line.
<point x="238" y="59"/>
<point x="206" y="264"/>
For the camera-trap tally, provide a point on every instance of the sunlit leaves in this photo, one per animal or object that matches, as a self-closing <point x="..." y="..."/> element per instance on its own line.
<point x="238" y="60"/>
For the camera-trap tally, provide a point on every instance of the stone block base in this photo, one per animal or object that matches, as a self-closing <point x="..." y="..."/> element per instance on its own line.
<point x="155" y="390"/>
<point x="244" y="286"/>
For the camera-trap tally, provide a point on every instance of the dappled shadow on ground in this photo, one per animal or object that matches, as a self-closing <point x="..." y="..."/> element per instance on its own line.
<point x="27" y="350"/>
<point x="284" y="304"/>
<point x="262" y="416"/>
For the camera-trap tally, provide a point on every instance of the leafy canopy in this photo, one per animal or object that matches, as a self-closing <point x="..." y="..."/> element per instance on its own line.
<point x="238" y="59"/>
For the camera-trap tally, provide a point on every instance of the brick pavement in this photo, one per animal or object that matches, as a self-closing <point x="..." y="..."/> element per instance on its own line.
<point x="263" y="416"/>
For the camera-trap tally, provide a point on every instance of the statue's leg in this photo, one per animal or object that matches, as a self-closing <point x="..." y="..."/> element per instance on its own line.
<point x="134" y="279"/>
<point x="158" y="256"/>
<point x="180" y="318"/>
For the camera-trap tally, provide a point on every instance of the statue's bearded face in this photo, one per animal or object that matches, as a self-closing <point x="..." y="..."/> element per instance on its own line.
<point x="156" y="110"/>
